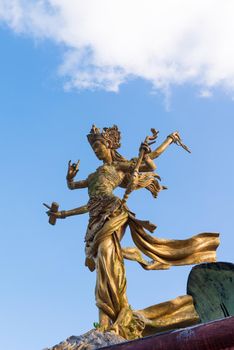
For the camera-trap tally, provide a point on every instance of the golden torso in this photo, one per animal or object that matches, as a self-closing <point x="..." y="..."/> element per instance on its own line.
<point x="105" y="179"/>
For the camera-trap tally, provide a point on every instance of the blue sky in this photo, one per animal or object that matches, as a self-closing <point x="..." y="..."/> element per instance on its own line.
<point x="46" y="292"/>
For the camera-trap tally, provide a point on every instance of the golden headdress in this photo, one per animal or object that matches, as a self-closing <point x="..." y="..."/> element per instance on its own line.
<point x="109" y="136"/>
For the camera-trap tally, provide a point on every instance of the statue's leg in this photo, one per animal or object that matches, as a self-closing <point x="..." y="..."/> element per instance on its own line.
<point x="118" y="235"/>
<point x="104" y="320"/>
<point x="111" y="281"/>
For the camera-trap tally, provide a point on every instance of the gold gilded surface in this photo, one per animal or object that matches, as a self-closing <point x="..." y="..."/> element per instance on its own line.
<point x="109" y="217"/>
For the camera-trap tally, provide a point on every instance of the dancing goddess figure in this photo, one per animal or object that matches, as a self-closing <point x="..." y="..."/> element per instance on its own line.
<point x="109" y="218"/>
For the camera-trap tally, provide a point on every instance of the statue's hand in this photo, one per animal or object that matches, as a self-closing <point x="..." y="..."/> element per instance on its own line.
<point x="145" y="147"/>
<point x="57" y="214"/>
<point x="175" y="136"/>
<point x="72" y="170"/>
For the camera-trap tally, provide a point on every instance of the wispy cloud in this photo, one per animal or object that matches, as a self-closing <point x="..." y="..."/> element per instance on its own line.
<point x="107" y="42"/>
<point x="205" y="93"/>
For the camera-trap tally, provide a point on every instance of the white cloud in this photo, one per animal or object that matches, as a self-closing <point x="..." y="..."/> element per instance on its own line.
<point x="205" y="93"/>
<point x="109" y="41"/>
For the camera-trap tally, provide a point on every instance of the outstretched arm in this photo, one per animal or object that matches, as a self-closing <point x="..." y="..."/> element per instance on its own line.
<point x="65" y="213"/>
<point x="159" y="150"/>
<point x="71" y="173"/>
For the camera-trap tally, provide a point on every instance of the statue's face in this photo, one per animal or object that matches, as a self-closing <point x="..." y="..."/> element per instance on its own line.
<point x="101" y="151"/>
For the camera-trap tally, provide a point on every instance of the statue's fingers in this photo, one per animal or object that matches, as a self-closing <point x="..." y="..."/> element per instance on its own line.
<point x="154" y="134"/>
<point x="77" y="164"/>
<point x="69" y="163"/>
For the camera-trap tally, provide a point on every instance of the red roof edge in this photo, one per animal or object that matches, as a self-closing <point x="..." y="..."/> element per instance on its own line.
<point x="215" y="335"/>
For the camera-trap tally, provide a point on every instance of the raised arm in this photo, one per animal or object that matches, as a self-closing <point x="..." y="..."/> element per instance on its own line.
<point x="71" y="173"/>
<point x="174" y="137"/>
<point x="147" y="164"/>
<point x="73" y="185"/>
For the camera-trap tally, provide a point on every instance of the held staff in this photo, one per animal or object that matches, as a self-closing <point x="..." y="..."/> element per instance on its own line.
<point x="144" y="149"/>
<point x="149" y="140"/>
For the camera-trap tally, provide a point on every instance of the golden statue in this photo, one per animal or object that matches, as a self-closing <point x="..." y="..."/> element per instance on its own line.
<point x="109" y="218"/>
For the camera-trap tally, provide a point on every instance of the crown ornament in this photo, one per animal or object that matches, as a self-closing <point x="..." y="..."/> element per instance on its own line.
<point x="109" y="136"/>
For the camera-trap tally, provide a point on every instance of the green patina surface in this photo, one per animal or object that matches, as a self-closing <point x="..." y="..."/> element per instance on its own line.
<point x="212" y="287"/>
